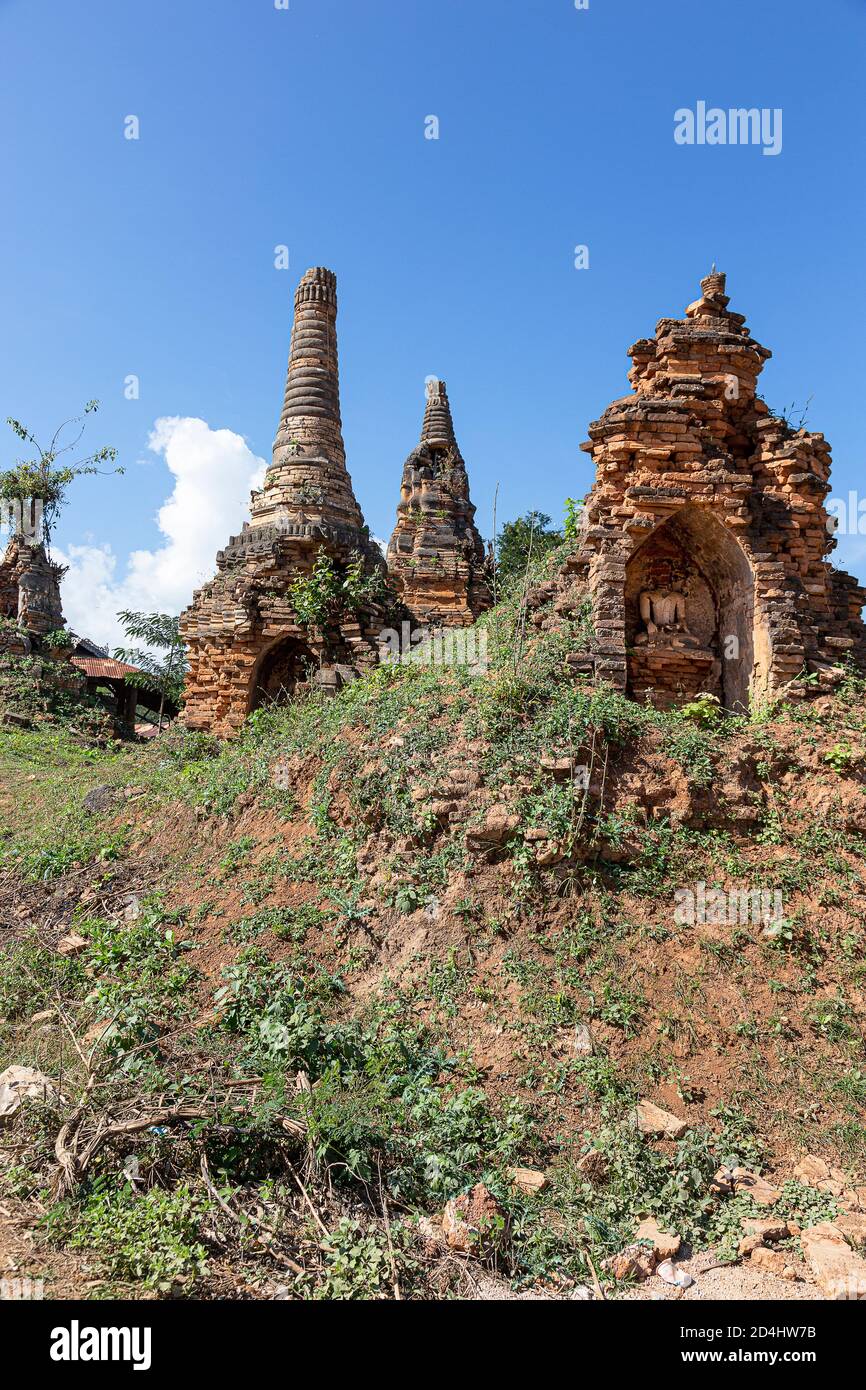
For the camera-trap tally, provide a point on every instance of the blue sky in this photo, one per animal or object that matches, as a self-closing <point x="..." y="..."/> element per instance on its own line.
<point x="305" y="127"/>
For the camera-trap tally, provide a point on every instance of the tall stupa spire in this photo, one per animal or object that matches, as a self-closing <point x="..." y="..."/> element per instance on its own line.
<point x="307" y="484"/>
<point x="436" y="556"/>
<point x="248" y="643"/>
<point x="311" y="404"/>
<point x="438" y="427"/>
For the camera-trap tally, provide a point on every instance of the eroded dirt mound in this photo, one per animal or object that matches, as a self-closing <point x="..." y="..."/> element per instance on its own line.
<point x="482" y="922"/>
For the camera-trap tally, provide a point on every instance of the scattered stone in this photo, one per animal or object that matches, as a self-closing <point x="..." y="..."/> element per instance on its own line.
<point x="654" y="1121"/>
<point x="18" y="1084"/>
<point x="581" y="1293"/>
<point x="100" y="799"/>
<point x="812" y="1171"/>
<point x="773" y="1262"/>
<point x="547" y="852"/>
<point x="838" y="1271"/>
<point x="499" y="824"/>
<point x="560" y="769"/>
<point x="71" y="945"/>
<point x="528" y="1180"/>
<point x="593" y="1166"/>
<point x="664" y="1243"/>
<point x="748" y="1244"/>
<point x="634" y="1262"/>
<point x="471" y="1221"/>
<point x="852" y="1224"/>
<point x="429" y="1230"/>
<point x="582" y="1042"/>
<point x="745" y="1181"/>
<point x="45" y="1016"/>
<point x="767" y="1228"/>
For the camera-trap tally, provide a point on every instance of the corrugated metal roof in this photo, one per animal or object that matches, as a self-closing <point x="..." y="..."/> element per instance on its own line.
<point x="103" y="667"/>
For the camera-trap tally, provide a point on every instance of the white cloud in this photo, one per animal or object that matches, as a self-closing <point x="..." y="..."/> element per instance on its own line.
<point x="850" y="554"/>
<point x="214" y="472"/>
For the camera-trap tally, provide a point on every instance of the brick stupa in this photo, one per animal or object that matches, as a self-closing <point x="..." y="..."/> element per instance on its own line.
<point x="705" y="543"/>
<point x="29" y="591"/>
<point x="436" y="557"/>
<point x="245" y="644"/>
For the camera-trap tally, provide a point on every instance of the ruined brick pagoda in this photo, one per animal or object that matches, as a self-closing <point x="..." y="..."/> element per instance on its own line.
<point x="703" y="553"/>
<point x="246" y="646"/>
<point x="29" y="591"/>
<point x="436" y="557"/>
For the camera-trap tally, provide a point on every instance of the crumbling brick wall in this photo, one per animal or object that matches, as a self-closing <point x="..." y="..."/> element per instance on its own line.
<point x="30" y="587"/>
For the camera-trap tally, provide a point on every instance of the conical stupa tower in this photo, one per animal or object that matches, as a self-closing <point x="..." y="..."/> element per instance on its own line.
<point x="307" y="484"/>
<point x="436" y="556"/>
<point x="246" y="643"/>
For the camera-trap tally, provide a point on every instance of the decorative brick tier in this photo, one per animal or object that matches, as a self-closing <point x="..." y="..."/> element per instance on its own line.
<point x="436" y="556"/>
<point x="245" y="644"/>
<point x="702" y="492"/>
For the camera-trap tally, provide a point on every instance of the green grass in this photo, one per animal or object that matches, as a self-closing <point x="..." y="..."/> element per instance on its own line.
<point x="46" y="776"/>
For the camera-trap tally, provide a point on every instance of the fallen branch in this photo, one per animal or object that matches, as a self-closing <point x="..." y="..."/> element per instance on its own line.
<point x="599" y="1290"/>
<point x="74" y="1157"/>
<point x="247" y="1217"/>
<point x="395" y="1282"/>
<point x="316" y="1217"/>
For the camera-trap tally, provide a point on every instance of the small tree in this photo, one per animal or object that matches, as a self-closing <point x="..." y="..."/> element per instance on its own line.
<point x="330" y="591"/>
<point x="41" y="479"/>
<point x="573" y="518"/>
<point x="529" y="533"/>
<point x="165" y="674"/>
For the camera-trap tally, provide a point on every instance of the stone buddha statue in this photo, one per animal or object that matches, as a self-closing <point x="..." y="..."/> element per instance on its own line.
<point x="663" y="614"/>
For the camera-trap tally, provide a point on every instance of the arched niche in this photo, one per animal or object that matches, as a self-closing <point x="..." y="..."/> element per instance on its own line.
<point x="282" y="669"/>
<point x="695" y="554"/>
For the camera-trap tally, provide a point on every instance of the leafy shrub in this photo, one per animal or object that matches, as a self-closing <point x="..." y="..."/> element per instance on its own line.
<point x="356" y="1263"/>
<point x="529" y="536"/>
<point x="59" y="639"/>
<point x="278" y="1013"/>
<point x="841" y="757"/>
<point x="141" y="980"/>
<point x="154" y="1237"/>
<point x="705" y="710"/>
<point x="328" y="592"/>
